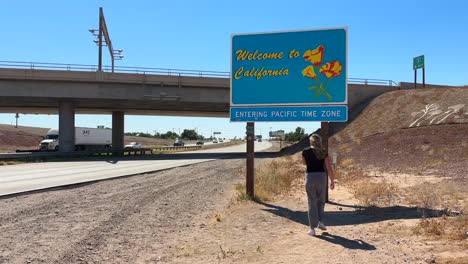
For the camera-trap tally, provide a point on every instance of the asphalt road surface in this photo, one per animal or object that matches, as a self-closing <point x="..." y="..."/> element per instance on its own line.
<point x="36" y="176"/>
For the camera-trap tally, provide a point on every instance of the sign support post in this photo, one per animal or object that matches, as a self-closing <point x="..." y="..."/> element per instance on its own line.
<point x="424" y="78"/>
<point x="415" y="77"/>
<point x="250" y="159"/>
<point x="16" y="116"/>
<point x="418" y="63"/>
<point x="324" y="127"/>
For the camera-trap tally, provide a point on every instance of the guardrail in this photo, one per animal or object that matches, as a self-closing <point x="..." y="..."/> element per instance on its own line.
<point x="33" y="154"/>
<point x="147" y="70"/>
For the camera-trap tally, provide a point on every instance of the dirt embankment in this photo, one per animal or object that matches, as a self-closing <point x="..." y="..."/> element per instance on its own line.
<point x="22" y="137"/>
<point x="416" y="131"/>
<point x="12" y="138"/>
<point x="437" y="150"/>
<point x="408" y="109"/>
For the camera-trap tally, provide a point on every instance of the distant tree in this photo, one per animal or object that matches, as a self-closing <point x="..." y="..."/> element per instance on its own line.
<point x="144" y="134"/>
<point x="169" y="135"/>
<point x="297" y="135"/>
<point x="134" y="134"/>
<point x="138" y="134"/>
<point x="190" y="134"/>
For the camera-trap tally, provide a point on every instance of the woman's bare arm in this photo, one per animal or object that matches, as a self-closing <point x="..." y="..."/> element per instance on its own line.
<point x="330" y="172"/>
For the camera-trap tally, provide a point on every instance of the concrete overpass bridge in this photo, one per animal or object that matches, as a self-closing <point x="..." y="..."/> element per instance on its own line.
<point x="67" y="89"/>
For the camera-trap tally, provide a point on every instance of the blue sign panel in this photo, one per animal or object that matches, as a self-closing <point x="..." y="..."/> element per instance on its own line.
<point x="289" y="68"/>
<point x="331" y="113"/>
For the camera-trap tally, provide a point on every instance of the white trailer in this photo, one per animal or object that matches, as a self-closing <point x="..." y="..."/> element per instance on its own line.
<point x="85" y="139"/>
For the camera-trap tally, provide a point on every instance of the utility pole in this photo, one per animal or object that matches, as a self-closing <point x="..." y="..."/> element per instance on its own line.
<point x="101" y="18"/>
<point x="104" y="33"/>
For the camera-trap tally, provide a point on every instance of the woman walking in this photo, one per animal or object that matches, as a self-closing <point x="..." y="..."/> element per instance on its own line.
<point x="316" y="159"/>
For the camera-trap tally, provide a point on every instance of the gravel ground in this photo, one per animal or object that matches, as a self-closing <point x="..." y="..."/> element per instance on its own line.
<point x="127" y="220"/>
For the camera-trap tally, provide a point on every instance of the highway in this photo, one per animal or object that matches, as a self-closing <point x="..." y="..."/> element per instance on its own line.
<point x="36" y="176"/>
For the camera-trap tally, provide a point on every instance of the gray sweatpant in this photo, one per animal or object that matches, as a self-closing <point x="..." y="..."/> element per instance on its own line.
<point x="315" y="185"/>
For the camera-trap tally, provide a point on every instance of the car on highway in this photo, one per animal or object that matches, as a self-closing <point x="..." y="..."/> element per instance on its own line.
<point x="215" y="141"/>
<point x="200" y="143"/>
<point x="134" y="145"/>
<point x="179" y="143"/>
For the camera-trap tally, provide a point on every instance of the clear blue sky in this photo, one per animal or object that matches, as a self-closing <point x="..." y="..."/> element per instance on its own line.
<point x="384" y="36"/>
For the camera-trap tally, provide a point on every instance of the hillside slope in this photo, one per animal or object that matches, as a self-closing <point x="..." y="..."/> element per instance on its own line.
<point x="408" y="109"/>
<point x="24" y="137"/>
<point x="413" y="131"/>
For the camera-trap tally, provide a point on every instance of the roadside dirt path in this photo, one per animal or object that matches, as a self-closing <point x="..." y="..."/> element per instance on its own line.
<point x="275" y="232"/>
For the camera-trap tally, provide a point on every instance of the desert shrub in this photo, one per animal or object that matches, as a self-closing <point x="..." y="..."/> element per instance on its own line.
<point x="374" y="193"/>
<point x="273" y="178"/>
<point x="444" y="196"/>
<point x="346" y="163"/>
<point x="453" y="228"/>
<point x="452" y="199"/>
<point x="10" y="162"/>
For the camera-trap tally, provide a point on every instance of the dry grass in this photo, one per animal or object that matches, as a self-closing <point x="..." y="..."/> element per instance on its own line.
<point x="273" y="178"/>
<point x="447" y="198"/>
<point x="458" y="260"/>
<point x="370" y="193"/>
<point x="11" y="162"/>
<point x="346" y="164"/>
<point x="216" y="218"/>
<point x="347" y="174"/>
<point x="444" y="196"/>
<point x="451" y="228"/>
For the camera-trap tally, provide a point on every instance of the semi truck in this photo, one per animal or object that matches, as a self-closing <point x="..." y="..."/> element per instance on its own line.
<point x="85" y="139"/>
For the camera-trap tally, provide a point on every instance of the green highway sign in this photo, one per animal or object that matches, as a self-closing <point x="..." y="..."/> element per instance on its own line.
<point x="418" y="62"/>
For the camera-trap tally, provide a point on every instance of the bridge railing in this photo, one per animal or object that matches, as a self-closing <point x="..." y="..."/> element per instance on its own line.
<point x="106" y="68"/>
<point x="155" y="71"/>
<point x="372" y="81"/>
<point x="170" y="72"/>
<point x="46" y="66"/>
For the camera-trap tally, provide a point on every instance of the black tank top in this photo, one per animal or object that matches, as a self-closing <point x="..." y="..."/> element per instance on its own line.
<point x="313" y="164"/>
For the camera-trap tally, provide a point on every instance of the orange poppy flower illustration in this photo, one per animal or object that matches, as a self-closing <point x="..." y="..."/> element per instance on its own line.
<point x="309" y="72"/>
<point x="331" y="69"/>
<point x="315" y="56"/>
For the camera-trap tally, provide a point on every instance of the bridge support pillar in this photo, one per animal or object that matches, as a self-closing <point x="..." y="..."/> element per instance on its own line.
<point x="66" y="126"/>
<point x="117" y="132"/>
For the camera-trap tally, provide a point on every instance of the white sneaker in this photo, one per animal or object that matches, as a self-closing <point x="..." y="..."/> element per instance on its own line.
<point x="311" y="232"/>
<point x="322" y="226"/>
